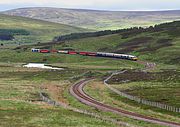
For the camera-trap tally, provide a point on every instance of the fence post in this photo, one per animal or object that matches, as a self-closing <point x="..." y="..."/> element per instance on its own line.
<point x="139" y="100"/>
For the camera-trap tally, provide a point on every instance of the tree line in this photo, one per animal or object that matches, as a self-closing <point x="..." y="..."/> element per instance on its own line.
<point x="14" y="32"/>
<point x="124" y="32"/>
<point x="8" y="34"/>
<point x="6" y="37"/>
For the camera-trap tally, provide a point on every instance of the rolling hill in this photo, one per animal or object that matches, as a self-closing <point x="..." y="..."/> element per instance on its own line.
<point x="21" y="105"/>
<point x="97" y="20"/>
<point x="26" y="30"/>
<point x="160" y="44"/>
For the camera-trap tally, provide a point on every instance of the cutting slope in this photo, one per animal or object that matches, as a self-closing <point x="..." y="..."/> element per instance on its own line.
<point x="98" y="20"/>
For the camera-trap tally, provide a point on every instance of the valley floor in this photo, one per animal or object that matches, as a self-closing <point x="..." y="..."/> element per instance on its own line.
<point x="21" y="105"/>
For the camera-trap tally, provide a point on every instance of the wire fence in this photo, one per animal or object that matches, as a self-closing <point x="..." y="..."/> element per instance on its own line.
<point x="51" y="102"/>
<point x="140" y="100"/>
<point x="94" y="115"/>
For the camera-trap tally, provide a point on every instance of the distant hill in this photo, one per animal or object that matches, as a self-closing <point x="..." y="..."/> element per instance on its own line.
<point x="28" y="30"/>
<point x="97" y="20"/>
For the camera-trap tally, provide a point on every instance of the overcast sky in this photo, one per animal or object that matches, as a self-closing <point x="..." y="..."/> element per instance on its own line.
<point x="115" y="5"/>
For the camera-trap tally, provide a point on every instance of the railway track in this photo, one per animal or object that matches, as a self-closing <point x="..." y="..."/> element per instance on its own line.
<point x="77" y="91"/>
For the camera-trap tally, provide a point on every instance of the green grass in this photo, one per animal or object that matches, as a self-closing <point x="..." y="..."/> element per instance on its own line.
<point x="146" y="46"/>
<point x="23" y="114"/>
<point x="103" y="43"/>
<point x="75" y="103"/>
<point x="99" y="91"/>
<point x="40" y="31"/>
<point x="160" y="47"/>
<point x="12" y="56"/>
<point x="163" y="92"/>
<point x="19" y="85"/>
<point x="159" y="86"/>
<point x="20" y="103"/>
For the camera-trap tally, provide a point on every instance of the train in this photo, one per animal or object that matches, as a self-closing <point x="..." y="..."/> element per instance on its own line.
<point x="95" y="54"/>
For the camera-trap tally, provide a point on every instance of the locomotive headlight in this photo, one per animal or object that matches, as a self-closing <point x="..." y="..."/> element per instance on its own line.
<point x="135" y="58"/>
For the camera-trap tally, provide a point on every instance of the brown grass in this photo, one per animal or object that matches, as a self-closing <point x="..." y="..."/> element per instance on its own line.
<point x="56" y="91"/>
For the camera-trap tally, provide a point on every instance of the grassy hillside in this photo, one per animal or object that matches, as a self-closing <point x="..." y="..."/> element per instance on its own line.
<point x="21" y="105"/>
<point x="160" y="44"/>
<point x="97" y="20"/>
<point x="38" y="31"/>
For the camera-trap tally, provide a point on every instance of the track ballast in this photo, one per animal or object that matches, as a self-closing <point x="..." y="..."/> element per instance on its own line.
<point x="77" y="91"/>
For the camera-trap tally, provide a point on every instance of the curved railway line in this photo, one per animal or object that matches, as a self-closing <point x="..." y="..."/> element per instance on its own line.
<point x="77" y="91"/>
